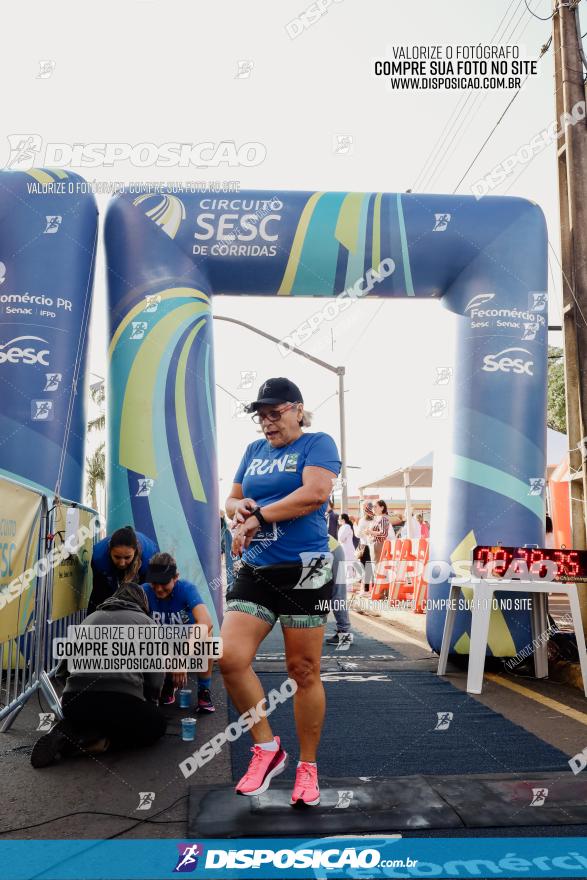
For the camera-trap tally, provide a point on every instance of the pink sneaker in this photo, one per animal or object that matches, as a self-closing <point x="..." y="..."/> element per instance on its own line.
<point x="263" y="767"/>
<point x="306" y="789"/>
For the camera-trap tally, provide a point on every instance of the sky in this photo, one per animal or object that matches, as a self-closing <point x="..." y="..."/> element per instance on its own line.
<point x="154" y="71"/>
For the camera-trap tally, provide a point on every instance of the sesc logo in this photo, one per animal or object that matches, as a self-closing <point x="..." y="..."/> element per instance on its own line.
<point x="12" y="353"/>
<point x="503" y="363"/>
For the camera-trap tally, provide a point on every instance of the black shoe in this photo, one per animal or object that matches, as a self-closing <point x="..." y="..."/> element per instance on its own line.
<point x="61" y="672"/>
<point x="340" y="639"/>
<point x="59" y="742"/>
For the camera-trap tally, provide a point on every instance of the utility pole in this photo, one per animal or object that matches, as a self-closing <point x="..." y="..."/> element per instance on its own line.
<point x="572" y="179"/>
<point x="343" y="471"/>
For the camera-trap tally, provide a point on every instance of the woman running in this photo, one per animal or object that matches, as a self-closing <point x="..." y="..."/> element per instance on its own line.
<point x="278" y="504"/>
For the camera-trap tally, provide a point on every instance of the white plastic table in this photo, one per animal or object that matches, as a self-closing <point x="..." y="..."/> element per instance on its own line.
<point x="484" y="588"/>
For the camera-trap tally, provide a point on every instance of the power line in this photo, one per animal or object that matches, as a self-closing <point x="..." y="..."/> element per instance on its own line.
<point x="478" y="100"/>
<point x="463" y="100"/>
<point x="226" y="391"/>
<point x="467" y="122"/>
<point x="489" y="136"/>
<point x="491" y="133"/>
<point x="367" y="325"/>
<point x="549" y="18"/>
<point x="555" y="291"/>
<point x="570" y="286"/>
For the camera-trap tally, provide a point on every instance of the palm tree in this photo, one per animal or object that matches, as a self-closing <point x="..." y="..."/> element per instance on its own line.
<point x="95" y="473"/>
<point x="98" y="395"/>
<point x="96" y="463"/>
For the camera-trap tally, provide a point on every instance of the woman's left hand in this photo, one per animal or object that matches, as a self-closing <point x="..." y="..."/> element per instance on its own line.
<point x="243" y="533"/>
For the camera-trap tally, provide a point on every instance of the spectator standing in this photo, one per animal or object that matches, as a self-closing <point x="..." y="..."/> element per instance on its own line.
<point x="332" y="519"/>
<point x="415" y="528"/>
<point x="345" y="537"/>
<point x="380" y="528"/>
<point x="363" y="552"/>
<point x="356" y="541"/>
<point x="343" y="634"/>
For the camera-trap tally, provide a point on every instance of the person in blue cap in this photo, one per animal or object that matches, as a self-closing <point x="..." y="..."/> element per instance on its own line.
<point x="278" y="505"/>
<point x="173" y="600"/>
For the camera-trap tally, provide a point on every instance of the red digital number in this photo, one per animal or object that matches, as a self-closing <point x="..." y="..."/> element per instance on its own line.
<point x="537" y="566"/>
<point x="567" y="561"/>
<point x="492" y="562"/>
<point x="481" y="559"/>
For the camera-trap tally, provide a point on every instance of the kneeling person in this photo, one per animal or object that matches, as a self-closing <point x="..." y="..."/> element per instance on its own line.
<point x="107" y="710"/>
<point x="175" y="601"/>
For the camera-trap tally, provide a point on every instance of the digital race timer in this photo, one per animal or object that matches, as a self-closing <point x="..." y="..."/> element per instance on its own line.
<point x="530" y="563"/>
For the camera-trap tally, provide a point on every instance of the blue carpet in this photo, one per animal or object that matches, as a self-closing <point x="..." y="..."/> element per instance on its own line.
<point x="362" y="648"/>
<point x="384" y="725"/>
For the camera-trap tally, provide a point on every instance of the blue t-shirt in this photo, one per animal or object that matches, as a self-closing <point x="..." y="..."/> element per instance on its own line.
<point x="268" y="474"/>
<point x="102" y="562"/>
<point x="177" y="608"/>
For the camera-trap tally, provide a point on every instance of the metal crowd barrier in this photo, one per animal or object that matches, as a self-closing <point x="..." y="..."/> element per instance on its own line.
<point x="26" y="661"/>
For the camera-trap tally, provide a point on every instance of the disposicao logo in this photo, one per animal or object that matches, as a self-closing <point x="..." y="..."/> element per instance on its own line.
<point x="187" y="860"/>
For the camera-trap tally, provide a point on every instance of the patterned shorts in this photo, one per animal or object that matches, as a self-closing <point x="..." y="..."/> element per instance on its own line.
<point x="294" y="621"/>
<point x="278" y="592"/>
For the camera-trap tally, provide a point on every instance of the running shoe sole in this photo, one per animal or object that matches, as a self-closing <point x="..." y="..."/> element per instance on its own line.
<point x="279" y="768"/>
<point x="301" y="803"/>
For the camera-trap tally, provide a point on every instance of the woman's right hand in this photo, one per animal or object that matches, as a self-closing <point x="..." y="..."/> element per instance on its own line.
<point x="243" y="509"/>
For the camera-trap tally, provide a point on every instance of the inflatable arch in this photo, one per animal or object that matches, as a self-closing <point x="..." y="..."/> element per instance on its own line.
<point x="485" y="260"/>
<point x="48" y="233"/>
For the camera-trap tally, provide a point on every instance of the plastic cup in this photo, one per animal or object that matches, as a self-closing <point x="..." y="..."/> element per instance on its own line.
<point x="188" y="729"/>
<point x="185" y="698"/>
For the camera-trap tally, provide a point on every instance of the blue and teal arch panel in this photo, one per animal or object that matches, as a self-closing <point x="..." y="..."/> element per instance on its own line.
<point x="48" y="232"/>
<point x="484" y="260"/>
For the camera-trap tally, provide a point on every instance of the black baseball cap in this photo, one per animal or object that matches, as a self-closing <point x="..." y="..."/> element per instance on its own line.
<point x="277" y="390"/>
<point x="160" y="574"/>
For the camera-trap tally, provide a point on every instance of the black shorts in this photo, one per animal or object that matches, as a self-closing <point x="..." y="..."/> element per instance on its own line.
<point x="286" y="589"/>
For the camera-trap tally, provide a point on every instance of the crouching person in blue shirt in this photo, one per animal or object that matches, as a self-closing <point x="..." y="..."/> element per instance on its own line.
<point x="175" y="601"/>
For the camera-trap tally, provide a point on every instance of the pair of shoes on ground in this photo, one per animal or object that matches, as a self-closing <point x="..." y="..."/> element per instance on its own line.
<point x="265" y="765"/>
<point x="62" y="741"/>
<point x="205" y="703"/>
<point x="340" y="638"/>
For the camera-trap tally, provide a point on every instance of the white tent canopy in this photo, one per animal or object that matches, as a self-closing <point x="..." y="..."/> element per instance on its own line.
<point x="419" y="474"/>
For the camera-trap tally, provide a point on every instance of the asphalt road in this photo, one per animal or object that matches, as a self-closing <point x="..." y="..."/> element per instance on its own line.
<point x="97" y="797"/>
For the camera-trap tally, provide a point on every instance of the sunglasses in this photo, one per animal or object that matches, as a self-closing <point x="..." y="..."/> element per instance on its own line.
<point x="272" y="415"/>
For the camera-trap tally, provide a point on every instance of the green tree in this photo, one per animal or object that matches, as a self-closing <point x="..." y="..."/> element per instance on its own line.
<point x="98" y="395"/>
<point x="96" y="463"/>
<point x="556" y="401"/>
<point x="95" y="473"/>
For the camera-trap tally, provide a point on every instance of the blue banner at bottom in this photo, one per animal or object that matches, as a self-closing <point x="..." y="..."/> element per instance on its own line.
<point x="271" y="858"/>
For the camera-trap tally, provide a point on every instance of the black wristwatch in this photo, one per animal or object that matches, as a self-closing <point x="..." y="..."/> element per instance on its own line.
<point x="262" y="521"/>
